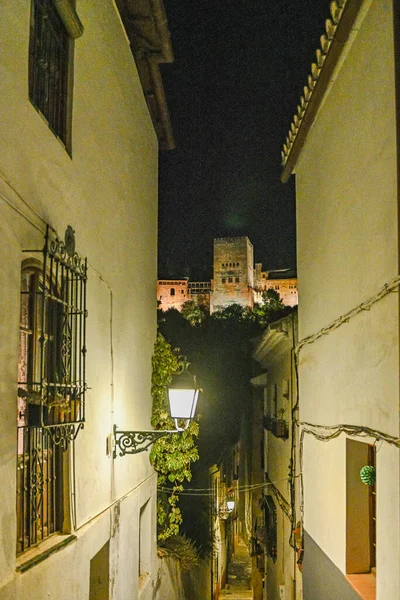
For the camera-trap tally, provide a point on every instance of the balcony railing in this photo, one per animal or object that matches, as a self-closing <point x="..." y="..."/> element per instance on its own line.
<point x="278" y="427"/>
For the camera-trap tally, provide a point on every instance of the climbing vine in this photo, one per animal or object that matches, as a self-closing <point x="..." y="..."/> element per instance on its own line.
<point x="172" y="455"/>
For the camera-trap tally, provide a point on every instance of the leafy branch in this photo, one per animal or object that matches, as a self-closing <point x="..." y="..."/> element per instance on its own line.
<point x="171" y="455"/>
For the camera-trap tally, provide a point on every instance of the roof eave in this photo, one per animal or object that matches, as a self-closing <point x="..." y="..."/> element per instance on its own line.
<point x="146" y="26"/>
<point x="319" y="88"/>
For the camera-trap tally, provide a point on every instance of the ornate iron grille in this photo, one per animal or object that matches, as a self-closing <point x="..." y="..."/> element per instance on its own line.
<point x="39" y="487"/>
<point x="49" y="66"/>
<point x="278" y="427"/>
<point x="51" y="381"/>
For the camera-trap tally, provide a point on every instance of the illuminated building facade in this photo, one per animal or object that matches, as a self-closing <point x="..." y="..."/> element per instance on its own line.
<point x="172" y="293"/>
<point x="283" y="281"/>
<point x="233" y="273"/>
<point x="235" y="281"/>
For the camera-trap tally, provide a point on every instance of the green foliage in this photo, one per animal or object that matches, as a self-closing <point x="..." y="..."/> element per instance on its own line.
<point x="172" y="455"/>
<point x="270" y="309"/>
<point x="193" y="313"/>
<point x="183" y="549"/>
<point x="234" y="312"/>
<point x="219" y="349"/>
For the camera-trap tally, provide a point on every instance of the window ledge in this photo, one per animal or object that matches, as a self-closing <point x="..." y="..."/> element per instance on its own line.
<point x="364" y="584"/>
<point x="36" y="555"/>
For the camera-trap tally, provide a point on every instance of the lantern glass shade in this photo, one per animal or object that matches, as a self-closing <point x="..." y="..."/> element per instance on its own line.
<point x="230" y="505"/>
<point x="182" y="403"/>
<point x="182" y="395"/>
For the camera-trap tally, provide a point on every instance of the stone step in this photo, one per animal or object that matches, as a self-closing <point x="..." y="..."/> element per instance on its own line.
<point x="230" y="595"/>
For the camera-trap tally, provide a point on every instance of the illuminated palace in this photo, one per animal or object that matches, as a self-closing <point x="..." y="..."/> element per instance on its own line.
<point x="236" y="280"/>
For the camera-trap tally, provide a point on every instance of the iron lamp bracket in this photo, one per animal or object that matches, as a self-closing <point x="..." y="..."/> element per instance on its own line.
<point x="133" y="442"/>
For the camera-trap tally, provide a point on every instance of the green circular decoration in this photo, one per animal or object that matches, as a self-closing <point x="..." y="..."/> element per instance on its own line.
<point x="368" y="475"/>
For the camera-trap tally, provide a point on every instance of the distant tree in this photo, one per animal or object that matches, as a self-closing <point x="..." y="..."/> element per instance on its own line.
<point x="272" y="299"/>
<point x="234" y="312"/>
<point x="193" y="313"/>
<point x="270" y="309"/>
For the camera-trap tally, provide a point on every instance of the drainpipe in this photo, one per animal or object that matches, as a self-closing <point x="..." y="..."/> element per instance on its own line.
<point x="67" y="13"/>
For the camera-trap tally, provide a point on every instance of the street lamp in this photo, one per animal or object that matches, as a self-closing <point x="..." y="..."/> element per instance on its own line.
<point x="230" y="500"/>
<point x="182" y="397"/>
<point x="227" y="506"/>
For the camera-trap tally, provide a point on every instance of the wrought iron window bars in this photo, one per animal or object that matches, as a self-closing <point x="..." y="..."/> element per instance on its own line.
<point x="51" y="381"/>
<point x="49" y="66"/>
<point x="53" y="388"/>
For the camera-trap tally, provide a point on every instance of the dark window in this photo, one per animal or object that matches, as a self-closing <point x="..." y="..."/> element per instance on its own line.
<point x="230" y="279"/>
<point x="172" y="291"/>
<point x="50" y="56"/>
<point x="51" y="384"/>
<point x="236" y="279"/>
<point x="271" y="527"/>
<point x="223" y="280"/>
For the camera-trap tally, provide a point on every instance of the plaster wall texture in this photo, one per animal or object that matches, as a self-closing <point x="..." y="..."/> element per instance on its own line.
<point x="347" y="237"/>
<point x="274" y="354"/>
<point x="346" y="182"/>
<point x="170" y="580"/>
<point x="196" y="582"/>
<point x="325" y="496"/>
<point x="107" y="190"/>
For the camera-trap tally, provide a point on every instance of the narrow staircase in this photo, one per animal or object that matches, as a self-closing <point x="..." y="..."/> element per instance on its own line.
<point x="238" y="586"/>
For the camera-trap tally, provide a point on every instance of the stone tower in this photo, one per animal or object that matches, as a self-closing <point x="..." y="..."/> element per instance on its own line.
<point x="233" y="272"/>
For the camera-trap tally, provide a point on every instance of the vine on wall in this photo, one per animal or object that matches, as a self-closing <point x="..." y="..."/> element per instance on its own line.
<point x="172" y="455"/>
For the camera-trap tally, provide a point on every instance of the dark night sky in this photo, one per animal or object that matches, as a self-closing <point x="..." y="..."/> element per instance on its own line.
<point x="239" y="70"/>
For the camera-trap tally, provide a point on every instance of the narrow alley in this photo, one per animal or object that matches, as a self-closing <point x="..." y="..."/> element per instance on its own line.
<point x="238" y="586"/>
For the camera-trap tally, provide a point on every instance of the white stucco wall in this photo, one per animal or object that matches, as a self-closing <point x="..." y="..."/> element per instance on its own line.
<point x="107" y="191"/>
<point x="347" y="239"/>
<point x="274" y="354"/>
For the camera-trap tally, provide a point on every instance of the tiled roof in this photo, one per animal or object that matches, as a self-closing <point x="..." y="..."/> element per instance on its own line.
<point x="336" y="12"/>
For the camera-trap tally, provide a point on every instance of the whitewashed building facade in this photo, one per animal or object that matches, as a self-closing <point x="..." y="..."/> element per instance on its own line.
<point x="344" y="149"/>
<point x="79" y="154"/>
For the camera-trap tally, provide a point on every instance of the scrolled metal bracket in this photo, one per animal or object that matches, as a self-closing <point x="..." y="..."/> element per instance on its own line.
<point x="133" y="442"/>
<point x="63" y="433"/>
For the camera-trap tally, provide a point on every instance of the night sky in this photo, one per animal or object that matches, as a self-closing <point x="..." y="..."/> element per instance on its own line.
<point x="239" y="70"/>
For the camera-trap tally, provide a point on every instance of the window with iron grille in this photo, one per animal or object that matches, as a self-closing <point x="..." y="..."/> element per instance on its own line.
<point x="51" y="382"/>
<point x="50" y="62"/>
<point x="271" y="527"/>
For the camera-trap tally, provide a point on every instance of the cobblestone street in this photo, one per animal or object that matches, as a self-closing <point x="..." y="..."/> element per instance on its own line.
<point x="238" y="586"/>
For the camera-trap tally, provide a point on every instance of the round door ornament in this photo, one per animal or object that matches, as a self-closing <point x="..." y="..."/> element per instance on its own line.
<point x="368" y="475"/>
